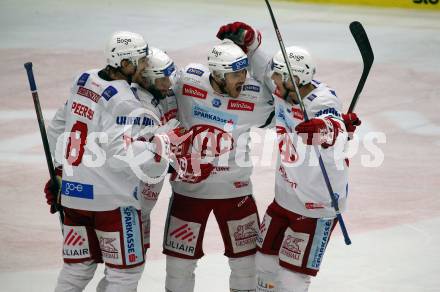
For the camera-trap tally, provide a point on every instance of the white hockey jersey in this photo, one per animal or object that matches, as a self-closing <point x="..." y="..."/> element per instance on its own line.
<point x="102" y="123"/>
<point x="299" y="182"/>
<point x="165" y="110"/>
<point x="220" y="126"/>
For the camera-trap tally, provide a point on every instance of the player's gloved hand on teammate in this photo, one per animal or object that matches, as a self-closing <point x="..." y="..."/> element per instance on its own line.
<point x="242" y="34"/>
<point x="51" y="191"/>
<point x="351" y="121"/>
<point x="190" y="168"/>
<point x="319" y="131"/>
<point x="181" y="140"/>
<point x="165" y="137"/>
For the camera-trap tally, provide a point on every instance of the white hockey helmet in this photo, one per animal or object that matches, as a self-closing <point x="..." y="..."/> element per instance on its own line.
<point x="159" y="65"/>
<point x="125" y="45"/>
<point x="301" y="64"/>
<point x="226" y="57"/>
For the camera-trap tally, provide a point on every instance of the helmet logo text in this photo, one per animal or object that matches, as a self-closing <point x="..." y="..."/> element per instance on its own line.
<point x="123" y="41"/>
<point x="216" y="53"/>
<point x="296" y="57"/>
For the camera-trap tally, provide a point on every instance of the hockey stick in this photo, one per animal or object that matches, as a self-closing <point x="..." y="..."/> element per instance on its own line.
<point x="56" y="206"/>
<point x="361" y="38"/>
<point x="306" y="118"/>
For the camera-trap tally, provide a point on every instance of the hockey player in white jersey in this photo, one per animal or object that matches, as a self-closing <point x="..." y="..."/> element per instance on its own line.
<point x="219" y="104"/>
<point x="153" y="87"/>
<point x="105" y="150"/>
<point x="298" y="224"/>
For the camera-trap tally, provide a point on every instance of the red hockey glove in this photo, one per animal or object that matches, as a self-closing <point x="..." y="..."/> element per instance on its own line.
<point x="351" y="121"/>
<point x="189" y="168"/>
<point x="319" y="131"/>
<point x="50" y="189"/>
<point x="243" y="35"/>
<point x="180" y="140"/>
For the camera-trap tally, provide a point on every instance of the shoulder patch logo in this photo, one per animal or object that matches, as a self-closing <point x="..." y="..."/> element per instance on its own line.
<point x="83" y="79"/>
<point x="250" y="87"/>
<point x="311" y="97"/>
<point x="109" y="92"/>
<point x="195" y="71"/>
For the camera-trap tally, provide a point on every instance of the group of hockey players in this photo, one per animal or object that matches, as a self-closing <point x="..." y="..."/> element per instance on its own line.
<point x="124" y="127"/>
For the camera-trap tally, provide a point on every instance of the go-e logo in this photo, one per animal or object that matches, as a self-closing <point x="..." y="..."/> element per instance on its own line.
<point x="75" y="189"/>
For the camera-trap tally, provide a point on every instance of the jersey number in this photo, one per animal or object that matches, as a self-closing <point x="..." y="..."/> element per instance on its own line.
<point x="286" y="147"/>
<point x="77" y="141"/>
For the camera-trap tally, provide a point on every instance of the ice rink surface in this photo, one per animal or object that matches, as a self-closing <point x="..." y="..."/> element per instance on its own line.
<point x="394" y="212"/>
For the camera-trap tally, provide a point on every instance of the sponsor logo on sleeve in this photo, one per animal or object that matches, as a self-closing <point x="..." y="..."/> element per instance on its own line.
<point x="189" y="90"/>
<point x="83" y="79"/>
<point x="328" y="111"/>
<point x="320" y="241"/>
<point x="77" y="190"/>
<point x="76" y="243"/>
<point x="311" y="97"/>
<point x="133" y="248"/>
<point x="240" y="105"/>
<point x="182" y="236"/>
<point x="243" y="233"/>
<point x="87" y="93"/>
<point x="251" y="87"/>
<point x="109" y="92"/>
<point x="110" y="245"/>
<point x="195" y="71"/>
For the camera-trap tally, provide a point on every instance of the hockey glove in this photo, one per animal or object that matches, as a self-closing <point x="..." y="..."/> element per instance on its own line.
<point x="243" y="35"/>
<point x="52" y="191"/>
<point x="189" y="168"/>
<point x="174" y="143"/>
<point x="351" y="121"/>
<point x="181" y="140"/>
<point x="319" y="131"/>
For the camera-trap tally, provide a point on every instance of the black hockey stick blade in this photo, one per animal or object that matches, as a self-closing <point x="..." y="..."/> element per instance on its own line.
<point x="361" y="38"/>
